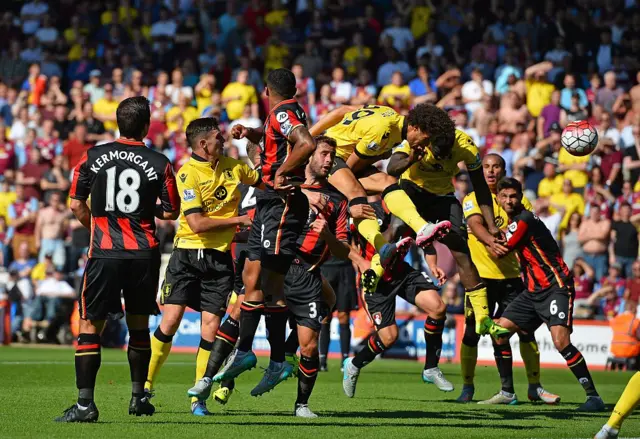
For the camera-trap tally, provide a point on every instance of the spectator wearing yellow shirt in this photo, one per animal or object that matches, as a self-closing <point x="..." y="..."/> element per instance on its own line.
<point x="574" y="168"/>
<point x="357" y="55"/>
<point x="239" y="94"/>
<point x="275" y="18"/>
<point x="105" y="109"/>
<point x="7" y="198"/>
<point x="39" y="272"/>
<point x="75" y="30"/>
<point x="181" y="115"/>
<point x="396" y="94"/>
<point x="538" y="88"/>
<point x="126" y="14"/>
<point x="568" y="200"/>
<point x="204" y="90"/>
<point x="551" y="184"/>
<point x="420" y="16"/>
<point x="275" y="54"/>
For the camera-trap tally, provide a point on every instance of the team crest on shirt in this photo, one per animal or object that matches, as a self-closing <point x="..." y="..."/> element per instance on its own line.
<point x="228" y="175"/>
<point x="183" y="177"/>
<point x="373" y="146"/>
<point x="499" y="221"/>
<point x="377" y="318"/>
<point x="220" y="193"/>
<point x="166" y="291"/>
<point x="188" y="194"/>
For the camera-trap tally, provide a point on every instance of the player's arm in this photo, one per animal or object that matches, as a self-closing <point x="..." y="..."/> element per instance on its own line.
<point x="80" y="191"/>
<point x="357" y="162"/>
<point x="169" y="207"/>
<point x="330" y="119"/>
<point x="402" y="159"/>
<point x="517" y="233"/>
<point x="485" y="200"/>
<point x="303" y="147"/>
<point x="431" y="256"/>
<point x="241" y="132"/>
<point x="199" y="223"/>
<point x="476" y="224"/>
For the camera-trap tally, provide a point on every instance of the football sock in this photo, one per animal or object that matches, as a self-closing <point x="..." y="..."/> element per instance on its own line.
<point x="504" y="361"/>
<point x="370" y="231"/>
<point x="160" y="349"/>
<point x="139" y="356"/>
<point x="345" y="339"/>
<point x="87" y="361"/>
<point x="433" y="338"/>
<point x="202" y="360"/>
<point x="399" y="204"/>
<point x="478" y="298"/>
<point x="229" y="384"/>
<point x="629" y="400"/>
<point x="250" y="314"/>
<point x="325" y="339"/>
<point x="468" y="360"/>
<point x="531" y="358"/>
<point x="225" y="341"/>
<point x="276" y="317"/>
<point x="307" y="374"/>
<point x="369" y="352"/>
<point x="578" y="366"/>
<point x="292" y="344"/>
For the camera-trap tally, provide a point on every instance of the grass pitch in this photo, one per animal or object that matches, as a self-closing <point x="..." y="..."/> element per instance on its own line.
<point x="37" y="384"/>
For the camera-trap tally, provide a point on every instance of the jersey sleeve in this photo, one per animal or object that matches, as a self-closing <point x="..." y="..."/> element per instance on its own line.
<point x="470" y="206"/>
<point x="467" y="151"/>
<point x="403" y="148"/>
<point x="375" y="142"/>
<point x="169" y="197"/>
<point x="517" y="231"/>
<point x="248" y="176"/>
<point x="527" y="204"/>
<point x="189" y="191"/>
<point x="81" y="182"/>
<point x="342" y="216"/>
<point x="285" y="121"/>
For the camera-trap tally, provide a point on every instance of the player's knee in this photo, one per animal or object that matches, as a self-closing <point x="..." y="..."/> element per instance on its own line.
<point x="560" y="340"/>
<point x="309" y="348"/>
<point x="343" y="317"/>
<point x="440" y="310"/>
<point x="526" y="337"/>
<point x="388" y="335"/>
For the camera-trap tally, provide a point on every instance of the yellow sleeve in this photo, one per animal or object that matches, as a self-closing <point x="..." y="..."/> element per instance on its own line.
<point x="527" y="204"/>
<point x="375" y="141"/>
<point x="227" y="91"/>
<point x="247" y="175"/>
<point x="189" y="190"/>
<point x="403" y="148"/>
<point x="467" y="151"/>
<point x="470" y="206"/>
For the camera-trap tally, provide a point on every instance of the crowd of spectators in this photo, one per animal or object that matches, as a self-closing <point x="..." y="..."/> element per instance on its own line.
<point x="510" y="74"/>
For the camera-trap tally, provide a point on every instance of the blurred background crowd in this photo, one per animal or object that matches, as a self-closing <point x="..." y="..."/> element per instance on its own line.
<point x="510" y="73"/>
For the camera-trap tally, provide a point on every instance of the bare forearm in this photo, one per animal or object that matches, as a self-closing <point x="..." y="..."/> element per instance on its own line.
<point x="200" y="224"/>
<point x="254" y="135"/>
<point x="83" y="214"/>
<point x="399" y="163"/>
<point x="162" y="214"/>
<point x="302" y="150"/>
<point x="340" y="249"/>
<point x="480" y="231"/>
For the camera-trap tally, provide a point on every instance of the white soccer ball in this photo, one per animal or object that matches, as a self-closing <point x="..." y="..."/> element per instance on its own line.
<point x="579" y="138"/>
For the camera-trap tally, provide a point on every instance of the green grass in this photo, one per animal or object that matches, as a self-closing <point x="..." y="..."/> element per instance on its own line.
<point x="38" y="384"/>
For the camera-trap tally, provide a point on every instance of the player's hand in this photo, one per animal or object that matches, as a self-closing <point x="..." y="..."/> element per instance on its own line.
<point x="245" y="220"/>
<point x="239" y="131"/>
<point x="363" y="211"/>
<point x="498" y="249"/>
<point x="320" y="225"/>
<point x="316" y="201"/>
<point x="497" y="234"/>
<point x="281" y="183"/>
<point x="439" y="274"/>
<point x="417" y="154"/>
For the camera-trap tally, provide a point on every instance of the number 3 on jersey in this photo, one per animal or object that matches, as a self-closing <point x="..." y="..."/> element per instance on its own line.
<point x="126" y="198"/>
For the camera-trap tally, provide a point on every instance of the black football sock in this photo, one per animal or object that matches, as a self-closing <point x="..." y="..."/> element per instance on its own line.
<point x="250" y="315"/>
<point x="292" y="344"/>
<point x="307" y="374"/>
<point x="225" y="341"/>
<point x="229" y="384"/>
<point x="504" y="361"/>
<point x="87" y="361"/>
<point x="369" y="352"/>
<point x="345" y="339"/>
<point x="433" y="339"/>
<point x="578" y="366"/>
<point x="276" y="322"/>
<point x="139" y="355"/>
<point x="323" y="342"/>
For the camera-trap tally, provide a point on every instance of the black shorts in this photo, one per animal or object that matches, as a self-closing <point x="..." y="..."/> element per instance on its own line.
<point x="339" y="163"/>
<point x="239" y="253"/>
<point x="303" y="292"/>
<point x="106" y="281"/>
<point x="406" y="283"/>
<point x="278" y="223"/>
<point x="201" y="279"/>
<point x="500" y="293"/>
<point x="434" y="208"/>
<point x="553" y="307"/>
<point x="342" y="278"/>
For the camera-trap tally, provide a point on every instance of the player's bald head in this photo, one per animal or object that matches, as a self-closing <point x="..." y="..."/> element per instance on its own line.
<point x="494" y="159"/>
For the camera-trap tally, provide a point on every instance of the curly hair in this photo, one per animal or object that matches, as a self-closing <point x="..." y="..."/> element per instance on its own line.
<point x="437" y="124"/>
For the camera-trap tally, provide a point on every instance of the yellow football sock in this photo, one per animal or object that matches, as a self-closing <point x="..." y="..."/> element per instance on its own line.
<point x="399" y="204"/>
<point x="531" y="358"/>
<point x="159" y="354"/>
<point x="479" y="303"/>
<point x="468" y="360"/>
<point x="370" y="230"/>
<point x="202" y="358"/>
<point x="627" y="402"/>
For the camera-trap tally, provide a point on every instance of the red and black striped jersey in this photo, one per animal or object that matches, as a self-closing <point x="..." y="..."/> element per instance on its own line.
<point x="247" y="207"/>
<point x="285" y="117"/>
<point x="540" y="259"/>
<point x="312" y="249"/>
<point x="125" y="179"/>
<point x="384" y="219"/>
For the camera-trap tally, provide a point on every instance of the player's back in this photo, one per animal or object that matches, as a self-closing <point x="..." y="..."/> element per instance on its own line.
<point x="125" y="180"/>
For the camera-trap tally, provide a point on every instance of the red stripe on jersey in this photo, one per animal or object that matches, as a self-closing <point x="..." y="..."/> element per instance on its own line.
<point x="531" y="285"/>
<point x="147" y="228"/>
<point x="309" y="242"/>
<point x="102" y="223"/>
<point x="128" y="237"/>
<point x="544" y="257"/>
<point x="520" y="232"/>
<point x="93" y="229"/>
<point x="171" y="188"/>
<point x="76" y="175"/>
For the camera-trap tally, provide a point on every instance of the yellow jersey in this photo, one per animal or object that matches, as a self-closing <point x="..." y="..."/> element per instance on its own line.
<point x="550" y="186"/>
<point x="436" y="176"/>
<point x="395" y="91"/>
<point x="579" y="179"/>
<point x="188" y="115"/>
<point x="242" y="95"/>
<point x="369" y="131"/>
<point x="488" y="267"/>
<point x="538" y="95"/>
<point x="571" y="203"/>
<point x="215" y="193"/>
<point x="104" y="107"/>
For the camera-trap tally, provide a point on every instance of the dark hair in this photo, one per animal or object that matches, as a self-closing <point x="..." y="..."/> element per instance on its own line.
<point x="510" y="183"/>
<point x="436" y="123"/>
<point x="625" y="204"/>
<point x="499" y="157"/>
<point x="134" y="116"/>
<point x="199" y="128"/>
<point x="326" y="139"/>
<point x="282" y="82"/>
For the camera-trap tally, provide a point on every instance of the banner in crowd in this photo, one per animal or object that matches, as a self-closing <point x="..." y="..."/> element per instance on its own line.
<point x="592" y="338"/>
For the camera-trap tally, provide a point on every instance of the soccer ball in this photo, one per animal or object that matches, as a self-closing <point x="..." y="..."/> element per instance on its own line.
<point x="579" y="138"/>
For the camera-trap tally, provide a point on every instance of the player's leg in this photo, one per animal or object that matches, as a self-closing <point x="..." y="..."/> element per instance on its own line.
<point x="209" y="325"/>
<point x="226" y="339"/>
<point x="291" y="345"/>
<point x="139" y="355"/>
<point x="162" y="340"/>
<point x="531" y="357"/>
<point x="628" y="401"/>
<point x="307" y="330"/>
<point x="468" y="355"/>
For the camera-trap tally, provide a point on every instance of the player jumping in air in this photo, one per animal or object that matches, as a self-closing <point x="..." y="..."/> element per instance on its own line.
<point x="200" y="270"/>
<point x="365" y="136"/>
<point x="502" y="278"/>
<point x="549" y="287"/>
<point x="124" y="179"/>
<point x="425" y="175"/>
<point x="417" y="289"/>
